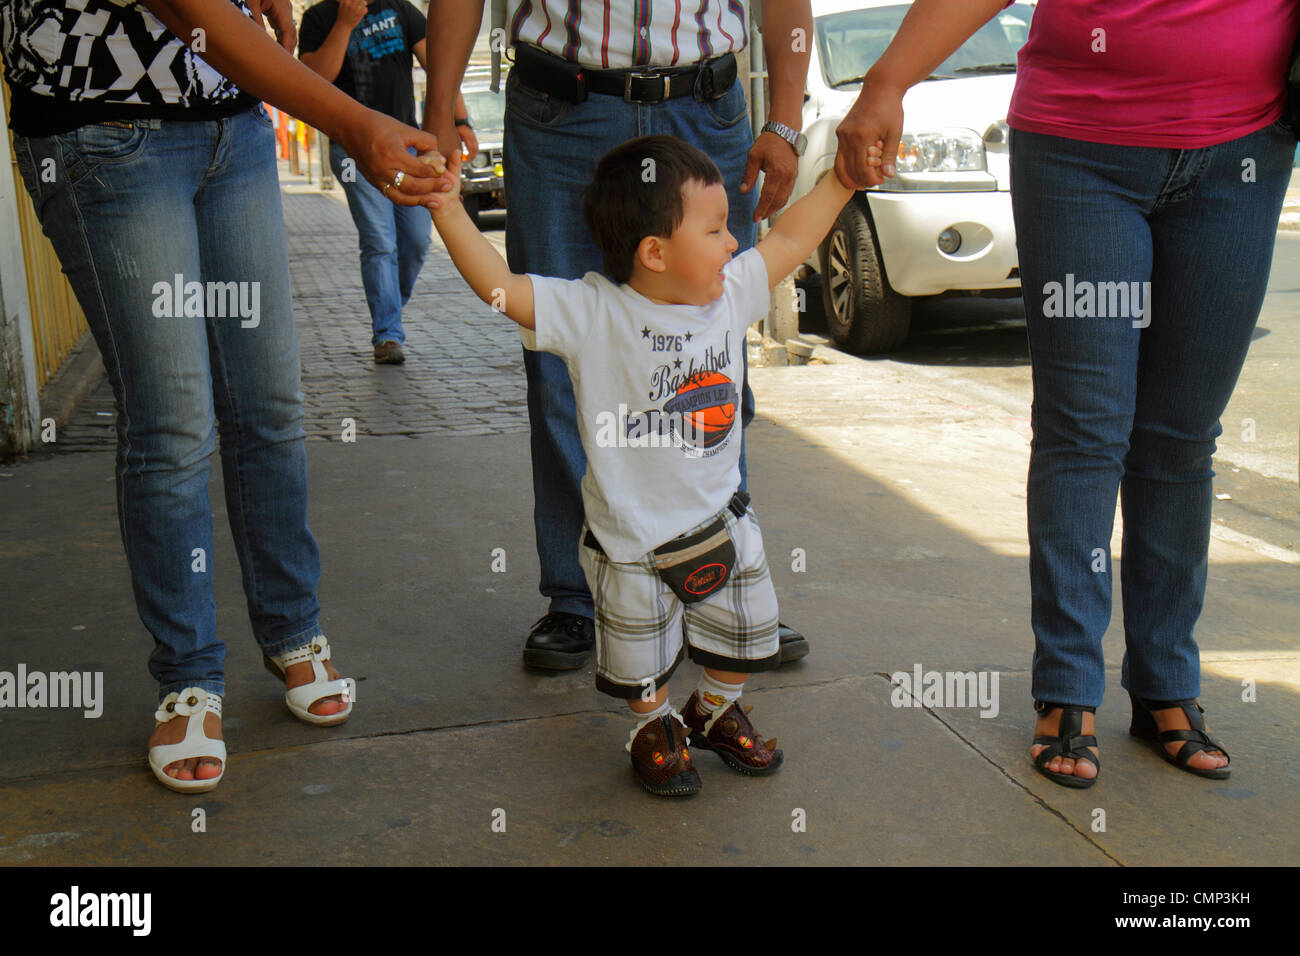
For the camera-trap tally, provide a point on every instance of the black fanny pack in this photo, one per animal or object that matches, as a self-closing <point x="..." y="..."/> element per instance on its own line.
<point x="696" y="566"/>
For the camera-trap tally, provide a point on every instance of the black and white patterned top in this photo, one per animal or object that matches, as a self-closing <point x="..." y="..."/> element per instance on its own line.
<point x="71" y="62"/>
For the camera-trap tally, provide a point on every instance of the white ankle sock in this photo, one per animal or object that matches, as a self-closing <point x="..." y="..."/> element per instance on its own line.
<point x="714" y="694"/>
<point x="643" y="719"/>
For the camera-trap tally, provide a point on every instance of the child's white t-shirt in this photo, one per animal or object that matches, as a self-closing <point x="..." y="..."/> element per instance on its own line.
<point x="657" y="389"/>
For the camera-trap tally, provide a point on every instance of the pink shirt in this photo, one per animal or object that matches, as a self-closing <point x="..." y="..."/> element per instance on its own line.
<point x="1179" y="74"/>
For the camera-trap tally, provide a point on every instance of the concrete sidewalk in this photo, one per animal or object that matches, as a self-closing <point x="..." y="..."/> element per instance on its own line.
<point x="893" y="511"/>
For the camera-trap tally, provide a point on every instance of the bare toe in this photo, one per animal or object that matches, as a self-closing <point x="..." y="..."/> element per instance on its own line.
<point x="1207" y="760"/>
<point x="302" y="673"/>
<point x="1049" y="725"/>
<point x="327" y="706"/>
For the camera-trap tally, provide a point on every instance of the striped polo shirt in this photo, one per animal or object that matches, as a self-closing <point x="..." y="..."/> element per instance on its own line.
<point x="617" y="34"/>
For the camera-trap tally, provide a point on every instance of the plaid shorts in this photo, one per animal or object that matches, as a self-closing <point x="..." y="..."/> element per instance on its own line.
<point x="640" y="622"/>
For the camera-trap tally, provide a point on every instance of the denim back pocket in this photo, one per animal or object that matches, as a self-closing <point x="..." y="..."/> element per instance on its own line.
<point x="534" y="106"/>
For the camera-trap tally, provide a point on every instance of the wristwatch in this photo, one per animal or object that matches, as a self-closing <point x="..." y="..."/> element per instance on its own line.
<point x="464" y="121"/>
<point x="798" y="141"/>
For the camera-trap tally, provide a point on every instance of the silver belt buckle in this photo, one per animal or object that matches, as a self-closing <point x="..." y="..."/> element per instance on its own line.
<point x="629" y="77"/>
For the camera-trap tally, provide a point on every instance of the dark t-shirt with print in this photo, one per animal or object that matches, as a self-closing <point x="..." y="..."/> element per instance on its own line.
<point x="376" y="69"/>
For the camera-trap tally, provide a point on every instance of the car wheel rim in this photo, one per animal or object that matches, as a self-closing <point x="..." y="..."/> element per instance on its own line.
<point x="841" y="279"/>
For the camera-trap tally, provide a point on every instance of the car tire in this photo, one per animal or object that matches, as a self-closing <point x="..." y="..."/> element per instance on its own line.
<point x="863" y="314"/>
<point x="473" y="206"/>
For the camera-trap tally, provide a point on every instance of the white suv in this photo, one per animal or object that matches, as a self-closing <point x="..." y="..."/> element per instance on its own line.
<point x="943" y="224"/>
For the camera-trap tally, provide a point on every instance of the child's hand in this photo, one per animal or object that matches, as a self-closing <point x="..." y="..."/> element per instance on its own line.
<point x="873" y="161"/>
<point x="446" y="189"/>
<point x="434" y="160"/>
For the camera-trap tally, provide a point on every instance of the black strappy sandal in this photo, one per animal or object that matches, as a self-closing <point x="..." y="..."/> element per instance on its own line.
<point x="1144" y="726"/>
<point x="1070" y="741"/>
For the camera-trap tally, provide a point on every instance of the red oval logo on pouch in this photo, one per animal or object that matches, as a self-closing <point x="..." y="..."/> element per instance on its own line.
<point x="706" y="579"/>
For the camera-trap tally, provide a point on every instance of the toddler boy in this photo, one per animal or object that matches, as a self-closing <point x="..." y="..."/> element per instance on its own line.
<point x="654" y="350"/>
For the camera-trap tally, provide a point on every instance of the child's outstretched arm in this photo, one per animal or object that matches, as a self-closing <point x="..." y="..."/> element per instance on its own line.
<point x="802" y="227"/>
<point x="478" y="260"/>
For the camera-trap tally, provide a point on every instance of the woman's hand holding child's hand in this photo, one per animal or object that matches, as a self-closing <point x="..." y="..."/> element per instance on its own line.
<point x="446" y="188"/>
<point x="873" y="159"/>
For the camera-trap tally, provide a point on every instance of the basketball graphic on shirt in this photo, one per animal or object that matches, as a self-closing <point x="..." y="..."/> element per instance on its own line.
<point x="705" y="406"/>
<point x="712" y="421"/>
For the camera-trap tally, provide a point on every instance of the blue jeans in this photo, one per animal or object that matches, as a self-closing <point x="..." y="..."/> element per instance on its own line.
<point x="133" y="212"/>
<point x="1129" y="403"/>
<point x="551" y="149"/>
<point x="393" y="240"/>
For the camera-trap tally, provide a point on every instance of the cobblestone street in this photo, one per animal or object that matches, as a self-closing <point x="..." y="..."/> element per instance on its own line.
<point x="464" y="366"/>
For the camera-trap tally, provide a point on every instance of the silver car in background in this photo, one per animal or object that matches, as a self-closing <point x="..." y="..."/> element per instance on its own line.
<point x="483" y="179"/>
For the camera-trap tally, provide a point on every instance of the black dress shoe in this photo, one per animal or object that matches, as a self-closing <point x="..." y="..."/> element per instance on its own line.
<point x="793" y="644"/>
<point x="561" y="642"/>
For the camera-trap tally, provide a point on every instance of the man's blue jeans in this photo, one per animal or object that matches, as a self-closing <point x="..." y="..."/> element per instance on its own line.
<point x="1129" y="403"/>
<point x="551" y="149"/>
<point x="393" y="240"/>
<point x="136" y="213"/>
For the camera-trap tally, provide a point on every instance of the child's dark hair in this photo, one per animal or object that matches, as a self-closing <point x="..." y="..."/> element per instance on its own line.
<point x="637" y="192"/>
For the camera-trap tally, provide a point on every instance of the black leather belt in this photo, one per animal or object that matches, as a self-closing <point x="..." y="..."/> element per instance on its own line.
<point x="739" y="505"/>
<point x="643" y="85"/>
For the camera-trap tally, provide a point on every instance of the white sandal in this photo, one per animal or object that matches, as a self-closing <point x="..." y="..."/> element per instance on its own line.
<point x="194" y="703"/>
<point x="302" y="697"/>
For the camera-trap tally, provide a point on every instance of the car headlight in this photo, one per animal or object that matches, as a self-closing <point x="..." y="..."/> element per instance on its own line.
<point x="480" y="161"/>
<point x="941" y="151"/>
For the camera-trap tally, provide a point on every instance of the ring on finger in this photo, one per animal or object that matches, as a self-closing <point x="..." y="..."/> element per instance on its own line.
<point x="397" y="180"/>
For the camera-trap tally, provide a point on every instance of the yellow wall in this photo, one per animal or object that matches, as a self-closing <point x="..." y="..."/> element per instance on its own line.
<point x="57" y="320"/>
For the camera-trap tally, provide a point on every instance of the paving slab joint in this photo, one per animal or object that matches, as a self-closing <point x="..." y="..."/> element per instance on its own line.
<point x="1014" y="782"/>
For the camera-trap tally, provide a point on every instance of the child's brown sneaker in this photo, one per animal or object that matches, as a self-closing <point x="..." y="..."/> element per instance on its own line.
<point x="729" y="734"/>
<point x="661" y="760"/>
